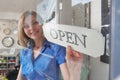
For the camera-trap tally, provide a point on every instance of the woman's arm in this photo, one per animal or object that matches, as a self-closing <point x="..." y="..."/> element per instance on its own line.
<point x="20" y="77"/>
<point x="74" y="63"/>
<point x="64" y="71"/>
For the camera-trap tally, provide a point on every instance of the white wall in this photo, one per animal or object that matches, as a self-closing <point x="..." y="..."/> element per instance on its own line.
<point x="9" y="15"/>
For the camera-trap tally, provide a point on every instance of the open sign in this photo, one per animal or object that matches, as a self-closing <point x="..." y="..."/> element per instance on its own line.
<point x="87" y="41"/>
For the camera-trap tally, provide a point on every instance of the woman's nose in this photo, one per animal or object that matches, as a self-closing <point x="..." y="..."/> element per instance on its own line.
<point x="31" y="26"/>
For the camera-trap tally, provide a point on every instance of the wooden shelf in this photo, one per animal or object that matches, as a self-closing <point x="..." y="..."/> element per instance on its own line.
<point x="7" y="62"/>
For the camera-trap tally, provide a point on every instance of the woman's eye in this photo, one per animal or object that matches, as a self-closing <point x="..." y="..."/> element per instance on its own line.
<point x="26" y="26"/>
<point x="34" y="23"/>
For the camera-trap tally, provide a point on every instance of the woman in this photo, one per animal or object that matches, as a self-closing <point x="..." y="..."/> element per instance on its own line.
<point x="41" y="59"/>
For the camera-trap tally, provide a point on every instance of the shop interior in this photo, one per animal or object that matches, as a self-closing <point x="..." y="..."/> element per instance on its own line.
<point x="83" y="14"/>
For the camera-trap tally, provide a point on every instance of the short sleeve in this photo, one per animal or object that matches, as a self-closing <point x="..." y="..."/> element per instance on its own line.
<point x="61" y="53"/>
<point x="25" y="56"/>
<point x="21" y="55"/>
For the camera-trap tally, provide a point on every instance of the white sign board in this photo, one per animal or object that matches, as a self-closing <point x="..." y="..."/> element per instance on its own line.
<point x="87" y="41"/>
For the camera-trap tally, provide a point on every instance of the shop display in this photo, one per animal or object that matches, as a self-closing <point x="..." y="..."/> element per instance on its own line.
<point x="7" y="63"/>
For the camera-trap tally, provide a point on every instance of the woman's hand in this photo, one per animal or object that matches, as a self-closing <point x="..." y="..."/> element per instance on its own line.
<point x="74" y="63"/>
<point x="73" y="55"/>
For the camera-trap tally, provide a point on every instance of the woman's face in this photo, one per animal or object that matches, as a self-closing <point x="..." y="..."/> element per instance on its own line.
<point x="32" y="28"/>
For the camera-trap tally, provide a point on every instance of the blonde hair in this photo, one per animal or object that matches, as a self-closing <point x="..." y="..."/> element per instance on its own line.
<point x="22" y="37"/>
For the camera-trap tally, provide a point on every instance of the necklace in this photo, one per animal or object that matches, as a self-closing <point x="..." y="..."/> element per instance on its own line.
<point x="37" y="47"/>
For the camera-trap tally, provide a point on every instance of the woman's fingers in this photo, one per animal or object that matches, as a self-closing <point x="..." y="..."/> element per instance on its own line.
<point x="73" y="55"/>
<point x="69" y="52"/>
<point x="77" y="54"/>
